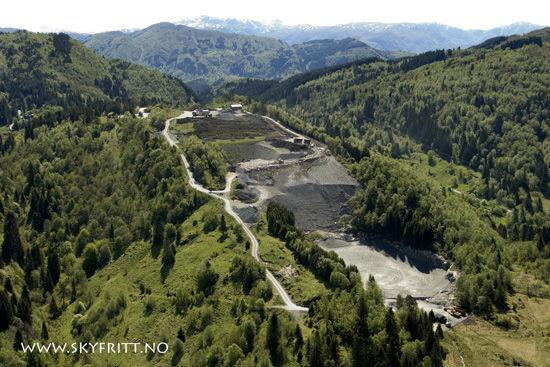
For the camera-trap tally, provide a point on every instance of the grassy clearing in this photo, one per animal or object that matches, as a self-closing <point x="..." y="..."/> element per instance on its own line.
<point x="136" y="270"/>
<point x="447" y="174"/>
<point x="185" y="128"/>
<point x="303" y="286"/>
<point x="460" y="179"/>
<point x="526" y="342"/>
<point x="527" y="280"/>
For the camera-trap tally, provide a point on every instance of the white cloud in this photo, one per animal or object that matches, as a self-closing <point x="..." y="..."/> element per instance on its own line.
<point x="101" y="15"/>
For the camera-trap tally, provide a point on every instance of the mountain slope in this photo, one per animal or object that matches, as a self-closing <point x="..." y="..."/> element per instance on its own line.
<point x="103" y="240"/>
<point x="409" y="37"/>
<point x="51" y="69"/>
<point x="452" y="151"/>
<point x="8" y="30"/>
<point x="321" y="53"/>
<point x="202" y="57"/>
<point x="469" y="106"/>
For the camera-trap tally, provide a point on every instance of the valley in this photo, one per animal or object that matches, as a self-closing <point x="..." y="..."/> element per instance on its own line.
<point x="258" y="201"/>
<point x="271" y="163"/>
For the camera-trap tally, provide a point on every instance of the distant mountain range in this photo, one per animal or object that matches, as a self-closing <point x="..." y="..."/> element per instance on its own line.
<point x="409" y="37"/>
<point x="205" y="57"/>
<point x="8" y="30"/>
<point x="208" y="51"/>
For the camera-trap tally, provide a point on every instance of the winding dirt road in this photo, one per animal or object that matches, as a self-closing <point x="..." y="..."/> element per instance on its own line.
<point x="224" y="195"/>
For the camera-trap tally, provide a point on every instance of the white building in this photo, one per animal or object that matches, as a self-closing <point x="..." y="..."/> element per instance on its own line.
<point x="236" y="107"/>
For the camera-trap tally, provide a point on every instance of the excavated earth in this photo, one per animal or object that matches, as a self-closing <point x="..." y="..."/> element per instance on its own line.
<point x="318" y="192"/>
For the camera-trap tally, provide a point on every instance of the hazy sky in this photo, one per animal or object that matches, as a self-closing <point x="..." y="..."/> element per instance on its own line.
<point x="101" y="15"/>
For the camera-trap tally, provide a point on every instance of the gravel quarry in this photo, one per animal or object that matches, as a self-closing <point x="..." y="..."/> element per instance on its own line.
<point x="317" y="189"/>
<point x="317" y="192"/>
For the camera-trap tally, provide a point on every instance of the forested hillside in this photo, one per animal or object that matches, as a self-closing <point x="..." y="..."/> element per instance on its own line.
<point x="482" y="110"/>
<point x="53" y="70"/>
<point x="469" y="106"/>
<point x="202" y="58"/>
<point x="102" y="239"/>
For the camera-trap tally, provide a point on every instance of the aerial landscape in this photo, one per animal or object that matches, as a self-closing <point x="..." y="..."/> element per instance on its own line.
<point x="317" y="187"/>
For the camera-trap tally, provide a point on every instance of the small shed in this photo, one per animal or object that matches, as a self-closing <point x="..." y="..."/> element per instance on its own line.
<point x="236" y="107"/>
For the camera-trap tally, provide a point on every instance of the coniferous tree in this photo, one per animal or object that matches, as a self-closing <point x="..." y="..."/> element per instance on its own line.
<point x="158" y="231"/>
<point x="393" y="343"/>
<point x="439" y="332"/>
<point x="34" y="211"/>
<point x="181" y="335"/>
<point x="47" y="282"/>
<point x="45" y="335"/>
<point x="111" y="232"/>
<point x="6" y="310"/>
<point x="36" y="259"/>
<point x="540" y="243"/>
<point x="25" y="306"/>
<point x="248" y="328"/>
<point x="298" y="339"/>
<point x="223" y="225"/>
<point x="54" y="309"/>
<point x="54" y="268"/>
<point x="14" y="304"/>
<point x="18" y="340"/>
<point x="12" y="248"/>
<point x="361" y="341"/>
<point x="273" y="339"/>
<point x="538" y="205"/>
<point x="168" y="255"/>
<point x="314" y="350"/>
<point x="436" y="351"/>
<point x="8" y="285"/>
<point x="34" y="360"/>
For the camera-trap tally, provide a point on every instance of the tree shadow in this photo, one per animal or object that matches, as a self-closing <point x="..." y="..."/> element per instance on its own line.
<point x="165" y="271"/>
<point x="176" y="359"/>
<point x="223" y="237"/>
<point x="155" y="251"/>
<point x="423" y="260"/>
